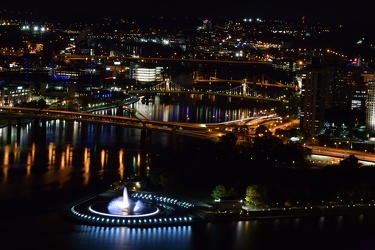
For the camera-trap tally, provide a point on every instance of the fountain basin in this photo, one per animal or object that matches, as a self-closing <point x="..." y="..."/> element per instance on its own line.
<point x="156" y="210"/>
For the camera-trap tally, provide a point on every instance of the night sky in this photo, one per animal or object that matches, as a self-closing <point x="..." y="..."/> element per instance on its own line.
<point x="319" y="10"/>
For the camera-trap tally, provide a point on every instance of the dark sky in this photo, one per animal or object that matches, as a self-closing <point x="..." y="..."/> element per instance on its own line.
<point x="318" y="10"/>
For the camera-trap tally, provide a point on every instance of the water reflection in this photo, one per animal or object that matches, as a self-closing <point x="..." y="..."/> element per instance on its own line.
<point x="132" y="238"/>
<point x="333" y="232"/>
<point x="194" y="114"/>
<point x="67" y="155"/>
<point x="186" y="113"/>
<point x="56" y="154"/>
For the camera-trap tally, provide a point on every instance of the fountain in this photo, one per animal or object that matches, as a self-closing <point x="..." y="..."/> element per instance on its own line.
<point x="137" y="209"/>
<point x="124" y="206"/>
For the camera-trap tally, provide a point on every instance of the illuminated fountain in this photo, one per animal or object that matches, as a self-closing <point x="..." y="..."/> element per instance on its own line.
<point x="137" y="209"/>
<point x="125" y="206"/>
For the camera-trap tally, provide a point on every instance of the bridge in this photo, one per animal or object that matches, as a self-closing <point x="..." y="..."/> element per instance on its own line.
<point x="244" y="89"/>
<point x="258" y="88"/>
<point x="211" y="131"/>
<point x="262" y="81"/>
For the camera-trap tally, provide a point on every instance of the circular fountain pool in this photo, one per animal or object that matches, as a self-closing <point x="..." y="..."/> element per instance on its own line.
<point x="137" y="209"/>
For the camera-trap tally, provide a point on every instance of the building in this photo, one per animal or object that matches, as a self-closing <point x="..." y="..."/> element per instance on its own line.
<point x="370" y="107"/>
<point x="10" y="95"/>
<point x="145" y="74"/>
<point x="312" y="98"/>
<point x="228" y="204"/>
<point x="331" y="93"/>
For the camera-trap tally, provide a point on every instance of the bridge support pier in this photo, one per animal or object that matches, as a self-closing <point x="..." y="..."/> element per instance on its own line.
<point x="36" y="122"/>
<point x="19" y="123"/>
<point x="146" y="139"/>
<point x="120" y="110"/>
<point x="39" y="130"/>
<point x="9" y="131"/>
<point x="9" y="122"/>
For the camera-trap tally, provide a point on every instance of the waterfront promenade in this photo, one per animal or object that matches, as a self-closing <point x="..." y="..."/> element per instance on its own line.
<point x="179" y="210"/>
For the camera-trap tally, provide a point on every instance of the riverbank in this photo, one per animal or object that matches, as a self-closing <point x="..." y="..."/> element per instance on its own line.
<point x="178" y="210"/>
<point x="291" y="212"/>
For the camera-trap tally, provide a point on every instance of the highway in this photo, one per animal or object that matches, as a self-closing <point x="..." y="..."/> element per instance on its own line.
<point x="342" y="153"/>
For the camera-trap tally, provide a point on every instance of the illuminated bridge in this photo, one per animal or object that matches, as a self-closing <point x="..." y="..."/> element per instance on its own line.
<point x="243" y="89"/>
<point x="137" y="120"/>
<point x="262" y="81"/>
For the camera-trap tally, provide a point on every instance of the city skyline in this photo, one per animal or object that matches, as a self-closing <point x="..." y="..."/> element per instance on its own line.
<point x="50" y="167"/>
<point x="85" y="42"/>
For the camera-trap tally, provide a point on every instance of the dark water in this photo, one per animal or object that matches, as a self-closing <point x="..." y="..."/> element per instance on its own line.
<point x="42" y="168"/>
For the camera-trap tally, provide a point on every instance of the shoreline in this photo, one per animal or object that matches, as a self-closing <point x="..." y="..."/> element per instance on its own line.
<point x="296" y="212"/>
<point x="199" y="212"/>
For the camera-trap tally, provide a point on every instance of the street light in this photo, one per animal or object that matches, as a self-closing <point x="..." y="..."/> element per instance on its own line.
<point x="313" y="142"/>
<point x="347" y="147"/>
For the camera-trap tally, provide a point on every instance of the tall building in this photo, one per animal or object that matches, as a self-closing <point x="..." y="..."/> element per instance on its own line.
<point x="312" y="98"/>
<point x="332" y="92"/>
<point x="370" y="107"/>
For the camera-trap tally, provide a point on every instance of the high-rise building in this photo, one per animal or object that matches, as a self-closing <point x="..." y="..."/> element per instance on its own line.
<point x="330" y="94"/>
<point x="312" y="98"/>
<point x="370" y="107"/>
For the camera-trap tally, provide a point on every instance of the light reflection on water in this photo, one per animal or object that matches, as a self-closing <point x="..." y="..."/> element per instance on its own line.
<point x="53" y="154"/>
<point x="64" y="154"/>
<point x="333" y="232"/>
<point x="186" y="113"/>
<point x="57" y="154"/>
<point x="132" y="238"/>
<point x="336" y="232"/>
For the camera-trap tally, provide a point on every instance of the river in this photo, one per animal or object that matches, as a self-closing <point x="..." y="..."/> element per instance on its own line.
<point x="44" y="168"/>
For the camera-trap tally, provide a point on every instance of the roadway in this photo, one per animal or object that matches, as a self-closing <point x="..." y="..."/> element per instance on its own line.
<point x="341" y="153"/>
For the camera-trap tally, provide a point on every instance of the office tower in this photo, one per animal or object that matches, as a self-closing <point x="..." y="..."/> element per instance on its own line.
<point x="312" y="98"/>
<point x="370" y="107"/>
<point x="332" y="94"/>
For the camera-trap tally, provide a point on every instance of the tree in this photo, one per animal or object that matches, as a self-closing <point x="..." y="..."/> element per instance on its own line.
<point x="219" y="192"/>
<point x="262" y="131"/>
<point x="253" y="194"/>
<point x="350" y="162"/>
<point x="227" y="141"/>
<point x="42" y="103"/>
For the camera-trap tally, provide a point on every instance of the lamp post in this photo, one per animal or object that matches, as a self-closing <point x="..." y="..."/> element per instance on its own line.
<point x="347" y="147"/>
<point x="313" y="142"/>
